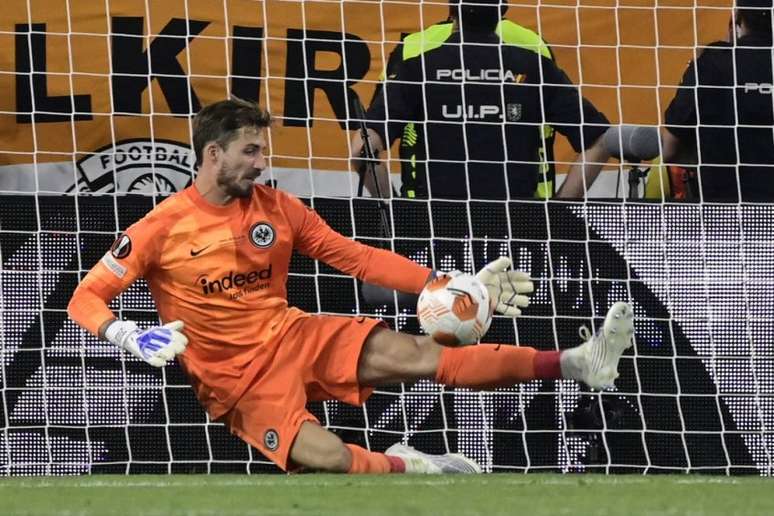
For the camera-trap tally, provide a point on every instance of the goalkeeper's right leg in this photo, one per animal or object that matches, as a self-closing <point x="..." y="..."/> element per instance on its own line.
<point x="317" y="448"/>
<point x="418" y="462"/>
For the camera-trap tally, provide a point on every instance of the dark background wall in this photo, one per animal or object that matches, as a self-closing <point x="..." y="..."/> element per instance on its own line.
<point x="695" y="394"/>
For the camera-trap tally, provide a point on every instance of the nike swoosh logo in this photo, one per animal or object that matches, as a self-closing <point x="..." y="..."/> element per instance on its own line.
<point x="199" y="251"/>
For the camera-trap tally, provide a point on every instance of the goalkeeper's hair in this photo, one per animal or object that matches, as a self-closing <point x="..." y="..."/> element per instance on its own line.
<point x="221" y="122"/>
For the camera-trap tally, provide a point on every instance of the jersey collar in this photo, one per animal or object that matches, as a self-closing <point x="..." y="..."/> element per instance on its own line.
<point x="214" y="209"/>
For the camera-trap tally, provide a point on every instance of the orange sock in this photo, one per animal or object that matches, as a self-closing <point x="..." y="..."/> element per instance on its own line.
<point x="364" y="461"/>
<point x="493" y="365"/>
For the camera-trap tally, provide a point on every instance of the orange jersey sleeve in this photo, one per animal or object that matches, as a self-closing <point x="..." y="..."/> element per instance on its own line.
<point x="316" y="239"/>
<point x="129" y="258"/>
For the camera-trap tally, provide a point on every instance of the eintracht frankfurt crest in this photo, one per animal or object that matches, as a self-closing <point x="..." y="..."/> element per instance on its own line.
<point x="262" y="235"/>
<point x="271" y="439"/>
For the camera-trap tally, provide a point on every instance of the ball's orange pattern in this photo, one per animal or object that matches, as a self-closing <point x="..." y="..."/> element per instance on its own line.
<point x="438" y="283"/>
<point x="464" y="307"/>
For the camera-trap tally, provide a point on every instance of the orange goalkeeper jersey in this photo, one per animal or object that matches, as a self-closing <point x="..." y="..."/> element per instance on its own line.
<point x="222" y="270"/>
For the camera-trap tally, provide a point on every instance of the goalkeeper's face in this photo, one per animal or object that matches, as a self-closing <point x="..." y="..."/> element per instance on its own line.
<point x="241" y="162"/>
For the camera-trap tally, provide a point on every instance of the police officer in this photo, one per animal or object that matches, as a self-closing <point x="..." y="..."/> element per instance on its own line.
<point x="481" y="105"/>
<point x="722" y="117"/>
<point x="412" y="147"/>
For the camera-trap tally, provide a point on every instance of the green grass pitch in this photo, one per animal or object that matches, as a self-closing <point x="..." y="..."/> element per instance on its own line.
<point x="341" y="495"/>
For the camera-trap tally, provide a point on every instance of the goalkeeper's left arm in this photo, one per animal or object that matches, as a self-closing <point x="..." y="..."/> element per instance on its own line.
<point x="314" y="238"/>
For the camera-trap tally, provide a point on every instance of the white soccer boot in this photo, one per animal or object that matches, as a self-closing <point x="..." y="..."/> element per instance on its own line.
<point x="418" y="462"/>
<point x="595" y="362"/>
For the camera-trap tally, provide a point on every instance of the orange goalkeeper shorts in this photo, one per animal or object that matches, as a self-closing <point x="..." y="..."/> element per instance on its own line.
<point x="316" y="360"/>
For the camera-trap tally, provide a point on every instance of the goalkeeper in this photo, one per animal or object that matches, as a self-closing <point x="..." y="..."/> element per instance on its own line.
<point x="216" y="258"/>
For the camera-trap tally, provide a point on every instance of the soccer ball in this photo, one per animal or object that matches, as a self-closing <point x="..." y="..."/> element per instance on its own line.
<point x="455" y="309"/>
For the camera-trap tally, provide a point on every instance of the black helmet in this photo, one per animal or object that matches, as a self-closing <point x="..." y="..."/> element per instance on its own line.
<point x="760" y="4"/>
<point x="478" y="14"/>
<point x="756" y="15"/>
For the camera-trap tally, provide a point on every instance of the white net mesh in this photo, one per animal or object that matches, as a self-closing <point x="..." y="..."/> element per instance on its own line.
<point x="96" y="126"/>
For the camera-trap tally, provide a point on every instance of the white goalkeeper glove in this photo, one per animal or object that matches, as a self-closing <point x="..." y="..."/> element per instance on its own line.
<point x="506" y="288"/>
<point x="156" y="345"/>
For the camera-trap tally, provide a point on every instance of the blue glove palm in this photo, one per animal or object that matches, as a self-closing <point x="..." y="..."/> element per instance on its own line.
<point x="156" y="345"/>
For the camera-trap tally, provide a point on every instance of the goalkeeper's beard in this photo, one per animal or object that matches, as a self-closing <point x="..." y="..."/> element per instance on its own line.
<point x="234" y="184"/>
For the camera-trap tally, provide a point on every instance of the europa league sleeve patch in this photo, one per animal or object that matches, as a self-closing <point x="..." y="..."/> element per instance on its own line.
<point x="121" y="247"/>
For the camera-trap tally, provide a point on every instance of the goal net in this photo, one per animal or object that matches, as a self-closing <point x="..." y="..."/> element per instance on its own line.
<point x="95" y="130"/>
